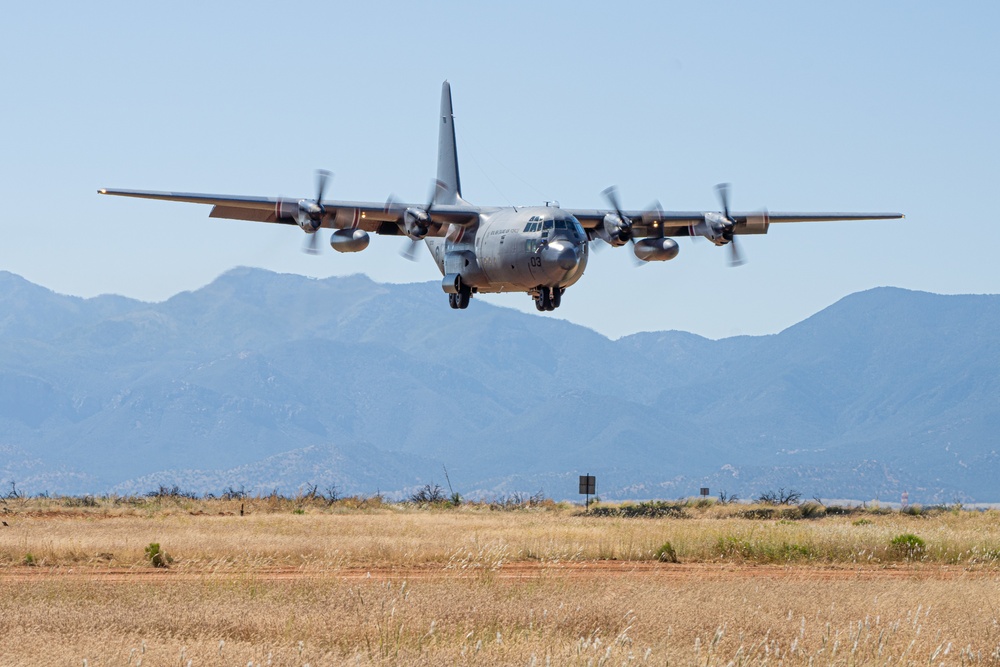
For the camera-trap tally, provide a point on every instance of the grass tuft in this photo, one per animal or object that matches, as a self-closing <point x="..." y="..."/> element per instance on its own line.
<point x="666" y="553"/>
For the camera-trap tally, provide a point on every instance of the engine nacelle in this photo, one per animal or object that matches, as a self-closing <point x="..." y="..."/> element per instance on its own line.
<point x="714" y="227"/>
<point x="308" y="225"/>
<point x="349" y="240"/>
<point x="656" y="250"/>
<point x="755" y="224"/>
<point x="416" y="223"/>
<point x="617" y="232"/>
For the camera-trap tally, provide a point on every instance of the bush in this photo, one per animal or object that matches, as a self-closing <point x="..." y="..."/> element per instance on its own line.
<point x="80" y="501"/>
<point x="734" y="547"/>
<point x="780" y="497"/>
<point x="520" y="501"/>
<point x="428" y="494"/>
<point x="29" y="560"/>
<point x="666" y="553"/>
<point x="728" y="499"/>
<point x="908" y="545"/>
<point x="156" y="556"/>
<point x="172" y="492"/>
<point x="234" y="494"/>
<point x="812" y="510"/>
<point x="652" y="509"/>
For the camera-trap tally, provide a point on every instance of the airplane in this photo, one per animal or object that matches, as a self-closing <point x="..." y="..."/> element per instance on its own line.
<point x="539" y="250"/>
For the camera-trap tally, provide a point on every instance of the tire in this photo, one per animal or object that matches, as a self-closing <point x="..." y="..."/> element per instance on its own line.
<point x="546" y="299"/>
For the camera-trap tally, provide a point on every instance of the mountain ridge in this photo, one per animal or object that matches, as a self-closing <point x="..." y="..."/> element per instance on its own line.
<point x="111" y="393"/>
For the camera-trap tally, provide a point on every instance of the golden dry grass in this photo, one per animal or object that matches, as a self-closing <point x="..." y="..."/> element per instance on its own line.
<point x="478" y="587"/>
<point x="211" y="534"/>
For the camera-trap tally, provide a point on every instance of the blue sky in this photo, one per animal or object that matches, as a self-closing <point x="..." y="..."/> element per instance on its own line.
<point x="859" y="106"/>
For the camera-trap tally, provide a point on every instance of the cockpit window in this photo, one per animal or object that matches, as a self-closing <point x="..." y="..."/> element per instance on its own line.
<point x="560" y="224"/>
<point x="548" y="224"/>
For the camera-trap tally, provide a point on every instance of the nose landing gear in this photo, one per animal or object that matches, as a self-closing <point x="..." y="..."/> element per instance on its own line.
<point x="548" y="298"/>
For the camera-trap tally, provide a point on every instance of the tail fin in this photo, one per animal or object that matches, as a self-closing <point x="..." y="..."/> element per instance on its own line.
<point x="449" y="188"/>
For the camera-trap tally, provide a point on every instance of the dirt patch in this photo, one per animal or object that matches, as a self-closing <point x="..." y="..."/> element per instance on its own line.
<point x="511" y="571"/>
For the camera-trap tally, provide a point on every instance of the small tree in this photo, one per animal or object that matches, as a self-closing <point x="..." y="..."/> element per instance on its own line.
<point x="780" y="497"/>
<point x="428" y="494"/>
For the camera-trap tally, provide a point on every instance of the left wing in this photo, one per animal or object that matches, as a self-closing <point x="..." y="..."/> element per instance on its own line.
<point x="372" y="217"/>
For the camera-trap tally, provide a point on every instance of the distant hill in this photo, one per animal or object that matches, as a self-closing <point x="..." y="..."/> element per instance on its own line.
<point x="276" y="381"/>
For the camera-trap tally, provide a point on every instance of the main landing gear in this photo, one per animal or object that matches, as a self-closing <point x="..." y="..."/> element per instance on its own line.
<point x="460" y="300"/>
<point x="548" y="298"/>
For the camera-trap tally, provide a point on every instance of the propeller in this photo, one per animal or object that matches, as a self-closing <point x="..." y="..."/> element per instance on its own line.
<point x="735" y="256"/>
<point x="653" y="213"/>
<point x="392" y="206"/>
<point x="625" y="228"/>
<point x="314" y="211"/>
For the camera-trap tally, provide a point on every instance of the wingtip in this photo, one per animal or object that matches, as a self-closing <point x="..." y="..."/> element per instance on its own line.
<point x="102" y="191"/>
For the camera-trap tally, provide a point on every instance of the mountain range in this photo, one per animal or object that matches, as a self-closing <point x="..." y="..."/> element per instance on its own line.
<point x="274" y="381"/>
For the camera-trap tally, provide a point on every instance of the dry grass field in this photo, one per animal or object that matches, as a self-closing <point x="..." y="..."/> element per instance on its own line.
<point x="312" y="583"/>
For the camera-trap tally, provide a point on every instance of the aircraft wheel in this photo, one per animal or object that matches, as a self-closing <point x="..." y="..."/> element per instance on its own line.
<point x="462" y="298"/>
<point x="546" y="299"/>
<point x="556" y="297"/>
<point x="453" y="300"/>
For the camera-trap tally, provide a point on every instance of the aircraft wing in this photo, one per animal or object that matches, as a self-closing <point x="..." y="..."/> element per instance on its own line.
<point x="679" y="223"/>
<point x="369" y="216"/>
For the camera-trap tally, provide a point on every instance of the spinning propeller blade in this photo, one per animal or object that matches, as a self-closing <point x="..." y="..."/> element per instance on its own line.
<point x="316" y="211"/>
<point x="735" y="256"/>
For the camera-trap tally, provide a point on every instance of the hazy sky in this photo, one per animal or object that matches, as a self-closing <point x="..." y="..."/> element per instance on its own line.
<point x="860" y="106"/>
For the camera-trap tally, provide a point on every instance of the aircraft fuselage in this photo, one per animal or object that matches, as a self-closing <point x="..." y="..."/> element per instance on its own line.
<point x="515" y="250"/>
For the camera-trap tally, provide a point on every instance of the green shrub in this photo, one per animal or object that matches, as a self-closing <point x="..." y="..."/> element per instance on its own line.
<point x="789" y="552"/>
<point x="812" y="510"/>
<point x="729" y="547"/>
<point x="29" y="560"/>
<point x="298" y="510"/>
<point x="156" y="556"/>
<point x="666" y="553"/>
<point x="908" y="545"/>
<point x="652" y="509"/>
<point x="862" y="522"/>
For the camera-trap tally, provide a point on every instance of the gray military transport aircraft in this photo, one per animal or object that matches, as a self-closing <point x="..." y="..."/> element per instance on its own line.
<point x="540" y="250"/>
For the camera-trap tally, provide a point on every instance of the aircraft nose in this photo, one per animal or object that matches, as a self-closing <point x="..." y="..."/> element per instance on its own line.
<point x="563" y="255"/>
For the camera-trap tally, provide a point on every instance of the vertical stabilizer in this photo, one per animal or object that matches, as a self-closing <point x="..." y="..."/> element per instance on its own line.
<point x="449" y="188"/>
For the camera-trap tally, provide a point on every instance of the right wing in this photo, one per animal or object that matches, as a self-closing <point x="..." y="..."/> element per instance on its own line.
<point x="372" y="217"/>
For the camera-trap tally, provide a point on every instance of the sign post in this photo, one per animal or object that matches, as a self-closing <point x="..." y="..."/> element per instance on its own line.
<point x="588" y="487"/>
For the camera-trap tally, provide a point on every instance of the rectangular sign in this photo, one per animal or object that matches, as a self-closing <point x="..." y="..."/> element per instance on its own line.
<point x="588" y="485"/>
